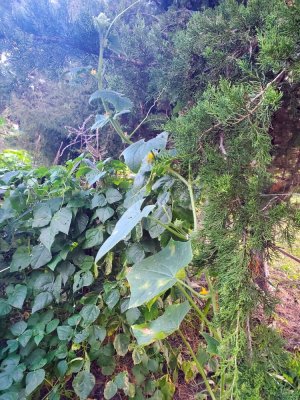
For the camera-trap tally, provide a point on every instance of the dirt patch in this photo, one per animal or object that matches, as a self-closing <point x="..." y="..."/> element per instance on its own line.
<point x="287" y="312"/>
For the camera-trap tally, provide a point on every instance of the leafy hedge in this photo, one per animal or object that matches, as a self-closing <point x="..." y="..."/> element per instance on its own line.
<point x="61" y="311"/>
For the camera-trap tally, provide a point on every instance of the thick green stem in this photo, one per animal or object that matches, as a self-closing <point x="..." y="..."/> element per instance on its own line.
<point x="192" y="290"/>
<point x="167" y="227"/>
<point x="200" y="314"/>
<point x="199" y="366"/>
<point x="191" y="194"/>
<point x="113" y="122"/>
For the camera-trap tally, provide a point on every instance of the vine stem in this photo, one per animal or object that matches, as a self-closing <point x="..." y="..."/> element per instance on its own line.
<point x="189" y="186"/>
<point x="119" y="16"/>
<point x="167" y="227"/>
<point x="114" y="123"/>
<point x="192" y="290"/>
<point x="103" y="42"/>
<point x="199" y="366"/>
<point x="200" y="314"/>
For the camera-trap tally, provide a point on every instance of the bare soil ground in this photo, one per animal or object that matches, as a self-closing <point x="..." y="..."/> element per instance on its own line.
<point x="285" y="279"/>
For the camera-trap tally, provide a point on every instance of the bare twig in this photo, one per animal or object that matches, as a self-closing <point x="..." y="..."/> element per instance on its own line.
<point x="148" y="113"/>
<point x="285" y="253"/>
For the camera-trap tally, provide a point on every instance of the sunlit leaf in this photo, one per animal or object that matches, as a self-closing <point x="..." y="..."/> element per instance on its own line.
<point x="163" y="326"/>
<point x="155" y="274"/>
<point x="135" y="153"/>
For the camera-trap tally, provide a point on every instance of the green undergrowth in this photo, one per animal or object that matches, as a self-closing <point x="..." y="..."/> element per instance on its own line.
<point x="99" y="258"/>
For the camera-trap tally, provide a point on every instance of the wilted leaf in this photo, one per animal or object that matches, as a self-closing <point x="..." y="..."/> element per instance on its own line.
<point x="121" y="343"/>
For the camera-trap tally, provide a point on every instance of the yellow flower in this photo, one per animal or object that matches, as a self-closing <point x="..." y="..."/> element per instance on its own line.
<point x="93" y="72"/>
<point x="75" y="346"/>
<point x="203" y="291"/>
<point x="150" y="158"/>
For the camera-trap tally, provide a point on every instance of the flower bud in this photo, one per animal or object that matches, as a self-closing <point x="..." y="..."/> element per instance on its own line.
<point x="101" y="22"/>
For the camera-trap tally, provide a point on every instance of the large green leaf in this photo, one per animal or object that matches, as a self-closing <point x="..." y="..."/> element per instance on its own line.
<point x="40" y="256"/>
<point x="18" y="328"/>
<point x="126" y="223"/>
<point x="94" y="175"/>
<point x="41" y="301"/>
<point x="135" y="153"/>
<point x="65" y="332"/>
<point x="61" y="220"/>
<point x="110" y="390"/>
<point x="5" y="308"/>
<point x="83" y="384"/>
<point x="41" y="216"/>
<point x="11" y="371"/>
<point x="119" y="102"/>
<point x="33" y="380"/>
<point x="20" y="260"/>
<point x="163" y="326"/>
<point x="17" y="297"/>
<point x="47" y="237"/>
<point x="93" y="237"/>
<point x="82" y="279"/>
<point x="104" y="213"/>
<point x="154" y="275"/>
<point x="99" y="200"/>
<point x="90" y="313"/>
<point x="113" y="195"/>
<point x="135" y="253"/>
